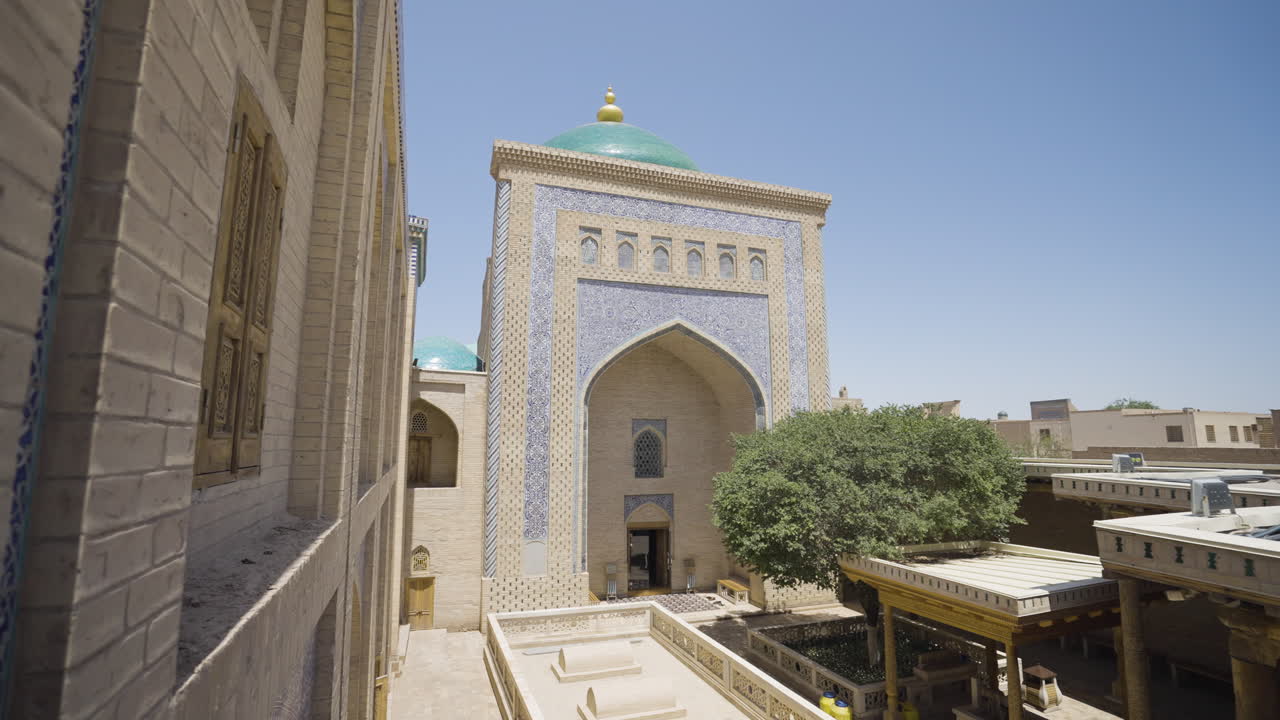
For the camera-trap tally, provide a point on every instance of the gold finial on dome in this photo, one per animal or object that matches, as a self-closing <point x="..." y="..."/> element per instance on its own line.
<point x="610" y="112"/>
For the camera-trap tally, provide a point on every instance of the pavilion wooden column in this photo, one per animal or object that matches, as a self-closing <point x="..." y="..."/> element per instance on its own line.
<point x="1015" y="680"/>
<point x="1257" y="689"/>
<point x="1118" y="692"/>
<point x="992" y="662"/>
<point x="1255" y="662"/>
<point x="1136" y="670"/>
<point x="890" y="664"/>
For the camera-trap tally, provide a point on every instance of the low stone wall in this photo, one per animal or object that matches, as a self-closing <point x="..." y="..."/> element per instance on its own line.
<point x="754" y="692"/>
<point x="768" y="648"/>
<point x="1235" y="456"/>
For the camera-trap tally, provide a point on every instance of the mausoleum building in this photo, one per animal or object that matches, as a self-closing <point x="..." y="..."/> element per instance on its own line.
<point x="637" y="312"/>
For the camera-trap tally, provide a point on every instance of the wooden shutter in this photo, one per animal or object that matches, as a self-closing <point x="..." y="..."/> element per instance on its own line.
<point x="262" y="280"/>
<point x="238" y="334"/>
<point x="224" y="334"/>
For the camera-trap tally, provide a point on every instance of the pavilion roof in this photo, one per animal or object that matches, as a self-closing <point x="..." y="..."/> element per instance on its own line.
<point x="995" y="589"/>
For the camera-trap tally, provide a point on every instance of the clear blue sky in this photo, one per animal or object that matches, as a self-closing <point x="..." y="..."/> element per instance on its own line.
<point x="1032" y="200"/>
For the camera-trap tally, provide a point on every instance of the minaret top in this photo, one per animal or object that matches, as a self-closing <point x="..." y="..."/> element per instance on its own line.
<point x="609" y="112"/>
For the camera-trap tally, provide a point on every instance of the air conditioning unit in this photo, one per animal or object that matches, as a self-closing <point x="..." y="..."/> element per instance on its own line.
<point x="1126" y="462"/>
<point x="1209" y="497"/>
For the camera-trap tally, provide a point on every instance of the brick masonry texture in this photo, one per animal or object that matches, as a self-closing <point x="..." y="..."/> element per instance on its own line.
<point x="447" y="520"/>
<point x="115" y="496"/>
<point x="1260" y="456"/>
<point x="536" y="518"/>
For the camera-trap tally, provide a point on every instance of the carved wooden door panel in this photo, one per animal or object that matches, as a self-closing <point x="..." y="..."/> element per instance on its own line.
<point x="419" y="471"/>
<point x="229" y="296"/>
<point x="238" y="333"/>
<point x="262" y="279"/>
<point x="421" y="602"/>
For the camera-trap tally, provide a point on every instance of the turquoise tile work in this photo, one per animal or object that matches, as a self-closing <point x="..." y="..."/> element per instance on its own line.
<point x="623" y="141"/>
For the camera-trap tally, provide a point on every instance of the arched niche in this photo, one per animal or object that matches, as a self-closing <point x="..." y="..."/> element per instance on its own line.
<point x="685" y="389"/>
<point x="432" y="452"/>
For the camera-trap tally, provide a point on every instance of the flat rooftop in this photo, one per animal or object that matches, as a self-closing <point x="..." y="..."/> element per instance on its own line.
<point x="561" y="700"/>
<point x="1015" y="581"/>
<point x="1212" y="554"/>
<point x="1165" y="490"/>
<point x="566" y="663"/>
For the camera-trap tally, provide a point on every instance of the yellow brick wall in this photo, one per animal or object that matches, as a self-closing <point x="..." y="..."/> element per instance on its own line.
<point x="449" y="521"/>
<point x="527" y="167"/>
<point x="652" y="383"/>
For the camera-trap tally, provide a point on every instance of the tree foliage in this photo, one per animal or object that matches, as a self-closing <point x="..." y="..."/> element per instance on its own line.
<point x="821" y="484"/>
<point x="1128" y="403"/>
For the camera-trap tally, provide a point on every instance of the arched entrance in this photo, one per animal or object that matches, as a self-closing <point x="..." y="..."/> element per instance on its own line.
<point x="432" y="454"/>
<point x="658" y="419"/>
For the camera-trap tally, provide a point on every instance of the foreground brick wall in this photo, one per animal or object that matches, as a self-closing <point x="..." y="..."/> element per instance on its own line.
<point x="116" y="534"/>
<point x="38" y="53"/>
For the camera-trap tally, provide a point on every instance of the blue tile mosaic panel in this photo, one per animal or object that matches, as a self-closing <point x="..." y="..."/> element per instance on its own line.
<point x="548" y="200"/>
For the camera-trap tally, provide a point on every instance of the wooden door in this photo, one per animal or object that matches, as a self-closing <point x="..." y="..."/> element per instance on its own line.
<point x="381" y="688"/>
<point x="419" y="470"/>
<point x="421" y="602"/>
<point x="661" y="558"/>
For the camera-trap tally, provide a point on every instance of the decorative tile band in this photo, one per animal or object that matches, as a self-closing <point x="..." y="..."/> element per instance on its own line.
<point x="497" y="294"/>
<point x="665" y="501"/>
<point x="548" y="200"/>
<point x="33" y="403"/>
<point x="610" y="314"/>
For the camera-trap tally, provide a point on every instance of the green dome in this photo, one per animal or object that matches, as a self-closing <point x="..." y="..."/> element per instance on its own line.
<point x="442" y="353"/>
<point x="620" y="140"/>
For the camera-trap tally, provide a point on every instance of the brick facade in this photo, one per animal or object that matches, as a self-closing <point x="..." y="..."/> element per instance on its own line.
<point x="539" y="528"/>
<point x="1244" y="456"/>
<point x="117" y="537"/>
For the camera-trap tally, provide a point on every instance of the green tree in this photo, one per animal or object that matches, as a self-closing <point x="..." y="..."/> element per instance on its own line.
<point x="819" y="485"/>
<point x="1128" y="403"/>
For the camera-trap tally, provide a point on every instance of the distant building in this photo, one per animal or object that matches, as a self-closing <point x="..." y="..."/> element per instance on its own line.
<point x="1058" y="429"/>
<point x="418" y="249"/>
<point x="1266" y="430"/>
<point x="944" y="407"/>
<point x="1185" y="428"/>
<point x="1046" y="434"/>
<point x="843" y="401"/>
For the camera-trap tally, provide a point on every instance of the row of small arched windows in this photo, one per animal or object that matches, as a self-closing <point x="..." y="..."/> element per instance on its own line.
<point x="590" y="249"/>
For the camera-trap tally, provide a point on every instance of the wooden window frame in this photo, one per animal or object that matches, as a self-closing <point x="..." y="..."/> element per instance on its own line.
<point x="241" y="300"/>
<point x="1210" y="434"/>
<point x="1233" y="431"/>
<point x="1169" y="431"/>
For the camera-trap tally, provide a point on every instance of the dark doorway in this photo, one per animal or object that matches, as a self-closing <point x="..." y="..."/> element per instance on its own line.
<point x="650" y="560"/>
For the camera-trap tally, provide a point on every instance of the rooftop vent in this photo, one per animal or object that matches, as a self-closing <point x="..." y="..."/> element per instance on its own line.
<point x="1126" y="462"/>
<point x="1209" y="497"/>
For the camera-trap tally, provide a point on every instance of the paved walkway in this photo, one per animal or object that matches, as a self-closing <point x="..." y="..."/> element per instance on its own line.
<point x="443" y="677"/>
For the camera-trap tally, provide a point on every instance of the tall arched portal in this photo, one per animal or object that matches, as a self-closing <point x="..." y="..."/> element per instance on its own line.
<point x="658" y="422"/>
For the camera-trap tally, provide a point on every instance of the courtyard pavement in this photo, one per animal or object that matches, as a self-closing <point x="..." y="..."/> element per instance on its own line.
<point x="443" y="677"/>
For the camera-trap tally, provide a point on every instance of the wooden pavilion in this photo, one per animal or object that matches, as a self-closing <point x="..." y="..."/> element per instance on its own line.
<point x="1009" y="594"/>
